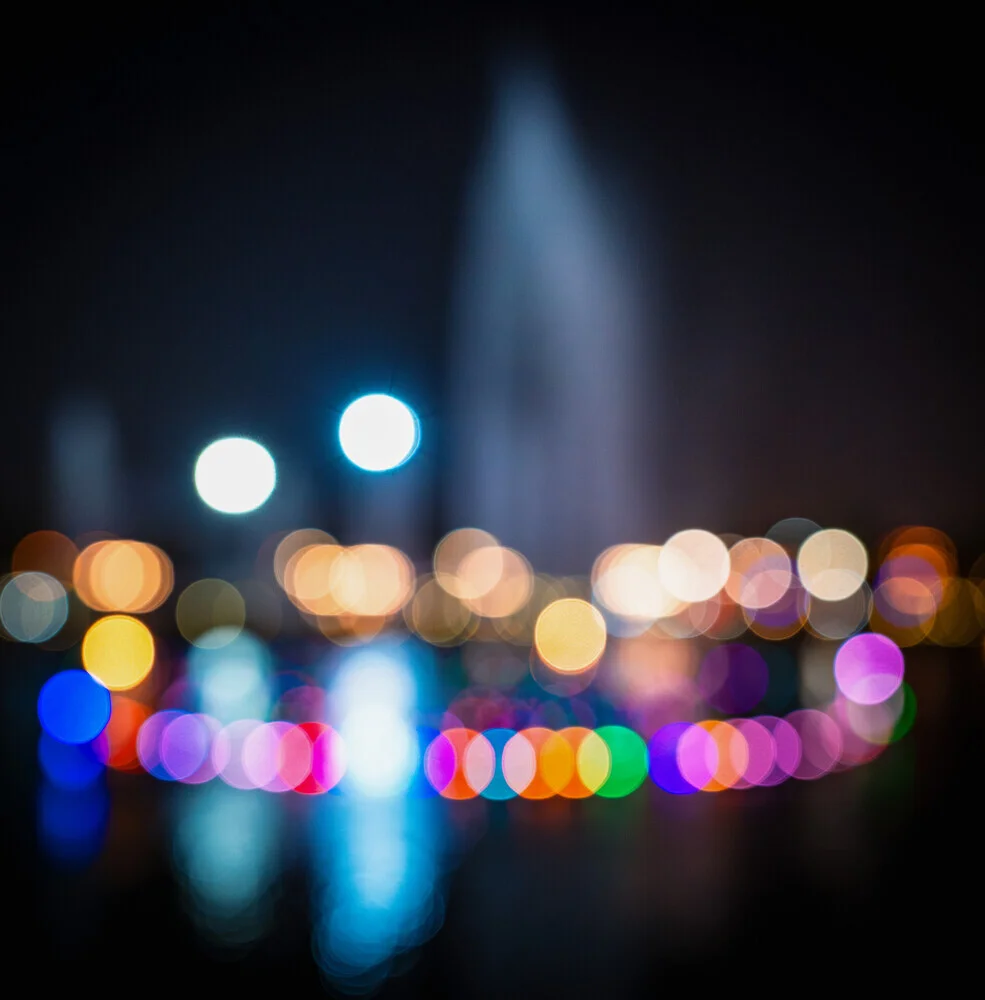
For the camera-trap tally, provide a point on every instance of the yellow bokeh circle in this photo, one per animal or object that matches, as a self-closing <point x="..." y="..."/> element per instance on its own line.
<point x="118" y="651"/>
<point x="570" y="635"/>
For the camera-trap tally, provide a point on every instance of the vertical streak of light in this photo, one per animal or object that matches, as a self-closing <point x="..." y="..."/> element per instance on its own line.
<point x="376" y="848"/>
<point x="548" y="344"/>
<point x="227" y="858"/>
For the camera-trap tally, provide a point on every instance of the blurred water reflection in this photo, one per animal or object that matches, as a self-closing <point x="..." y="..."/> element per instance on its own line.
<point x="72" y="822"/>
<point x="227" y="855"/>
<point x="376" y="884"/>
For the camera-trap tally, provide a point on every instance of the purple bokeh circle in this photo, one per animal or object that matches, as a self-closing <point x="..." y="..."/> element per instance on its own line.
<point x="868" y="668"/>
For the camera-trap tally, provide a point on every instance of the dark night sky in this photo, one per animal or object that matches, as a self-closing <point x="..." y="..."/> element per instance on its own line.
<point x="228" y="220"/>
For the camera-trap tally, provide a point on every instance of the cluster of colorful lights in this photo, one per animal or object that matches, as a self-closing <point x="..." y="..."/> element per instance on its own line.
<point x="636" y="617"/>
<point x="634" y="625"/>
<point x="85" y="729"/>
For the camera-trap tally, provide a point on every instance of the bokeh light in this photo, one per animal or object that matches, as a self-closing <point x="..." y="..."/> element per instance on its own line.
<point x="960" y="614"/>
<point x="299" y="742"/>
<point x="227" y="753"/>
<point x="374" y="693"/>
<point x="787" y="749"/>
<point x="479" y="763"/>
<point x="235" y="475"/>
<point x="265" y="761"/>
<point x="512" y="581"/>
<point x="760" y="752"/>
<point x="378" y="432"/>
<point x="570" y="635"/>
<point x="782" y="619"/>
<point x="626" y="581"/>
<point x="593" y="762"/>
<point x="123" y="575"/>
<point x="453" y="555"/>
<point x="308" y="577"/>
<point x="126" y="717"/>
<point x="693" y="565"/>
<point x="328" y="758"/>
<point x="832" y="564"/>
<point x="555" y="763"/>
<point x="759" y="572"/>
<point x="118" y="651"/>
<point x="288" y="546"/>
<point x="497" y="788"/>
<point x="840" y="619"/>
<point x="629" y="761"/>
<point x="33" y="606"/>
<point x="453" y="771"/>
<point x="821" y="743"/>
<point x="72" y="707"/>
<point x="371" y="580"/>
<point x="665" y="771"/>
<point x="185" y="747"/>
<point x="519" y="762"/>
<point x="48" y="552"/>
<point x="437" y="616"/>
<point x="868" y="668"/>
<point x="149" y="742"/>
<point x="210" y="612"/>
<point x="731" y="758"/>
<point x="697" y="756"/>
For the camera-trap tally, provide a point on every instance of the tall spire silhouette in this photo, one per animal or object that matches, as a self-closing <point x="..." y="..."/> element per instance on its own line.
<point x="546" y="361"/>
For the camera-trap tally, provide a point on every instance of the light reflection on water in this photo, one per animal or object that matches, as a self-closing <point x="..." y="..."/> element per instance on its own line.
<point x="227" y="856"/>
<point x="376" y="883"/>
<point x="72" y="822"/>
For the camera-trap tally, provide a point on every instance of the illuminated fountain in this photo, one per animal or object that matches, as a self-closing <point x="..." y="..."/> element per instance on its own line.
<point x="547" y="355"/>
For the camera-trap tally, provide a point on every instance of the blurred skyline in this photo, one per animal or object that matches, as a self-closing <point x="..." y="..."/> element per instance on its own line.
<point x="235" y="222"/>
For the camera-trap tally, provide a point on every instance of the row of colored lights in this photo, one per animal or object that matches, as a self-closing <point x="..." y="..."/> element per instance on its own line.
<point x="84" y="723"/>
<point x="534" y="763"/>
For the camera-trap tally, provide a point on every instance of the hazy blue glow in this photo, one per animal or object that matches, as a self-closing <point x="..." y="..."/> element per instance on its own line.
<point x="233" y="680"/>
<point x="378" y="432"/>
<point x="550" y="391"/>
<point x="69" y="766"/>
<point x="72" y="824"/>
<point x="235" y="475"/>
<point x="374" y="694"/>
<point x="376" y="885"/>
<point x="225" y="851"/>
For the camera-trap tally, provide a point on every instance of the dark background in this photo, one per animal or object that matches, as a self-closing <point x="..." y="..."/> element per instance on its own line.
<point x="229" y="219"/>
<point x="224" y="220"/>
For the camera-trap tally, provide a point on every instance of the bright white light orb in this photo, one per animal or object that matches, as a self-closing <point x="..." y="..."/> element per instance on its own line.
<point x="235" y="475"/>
<point x="378" y="432"/>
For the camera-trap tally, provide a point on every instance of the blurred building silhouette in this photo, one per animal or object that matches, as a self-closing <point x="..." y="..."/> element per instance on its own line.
<point x="547" y="345"/>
